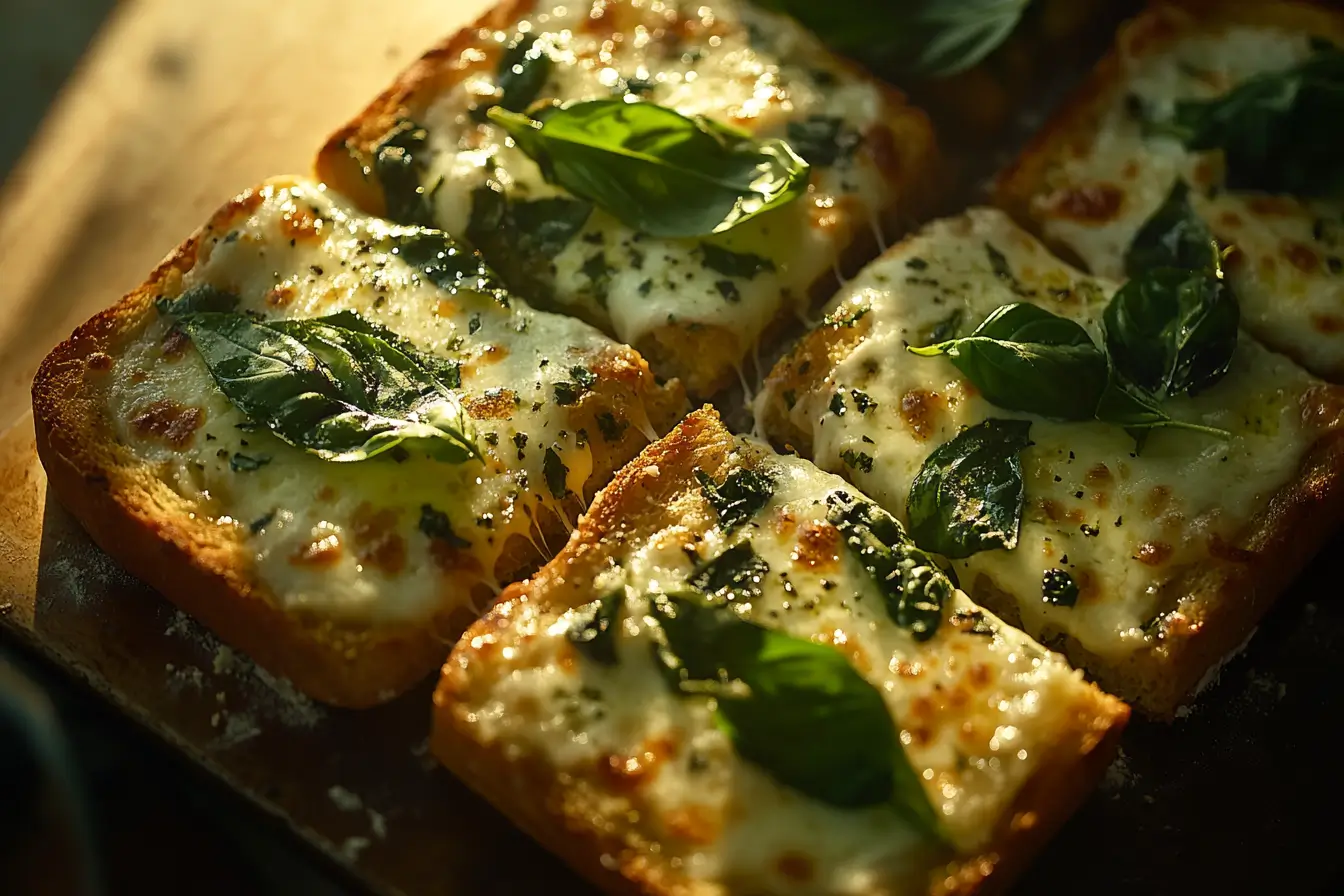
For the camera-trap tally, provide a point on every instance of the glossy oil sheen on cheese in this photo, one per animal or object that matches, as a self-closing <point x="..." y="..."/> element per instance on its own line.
<point x="341" y="539"/>
<point x="724" y="60"/>
<point x="1288" y="266"/>
<point x="1121" y="524"/>
<point x="978" y="712"/>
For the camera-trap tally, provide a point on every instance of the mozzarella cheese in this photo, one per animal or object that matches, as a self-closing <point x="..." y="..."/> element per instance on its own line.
<point x="343" y="541"/>
<point x="980" y="706"/>
<point x="1288" y="265"/>
<point x="1122" y="524"/>
<point x="727" y="61"/>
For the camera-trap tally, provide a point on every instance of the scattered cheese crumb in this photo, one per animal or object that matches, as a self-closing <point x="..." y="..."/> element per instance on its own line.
<point x="345" y="800"/>
<point x="223" y="659"/>
<point x="378" y="824"/>
<point x="352" y="847"/>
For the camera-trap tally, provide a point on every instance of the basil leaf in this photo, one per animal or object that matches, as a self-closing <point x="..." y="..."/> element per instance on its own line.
<point x="201" y="297"/>
<point x="399" y="161"/>
<point x="1269" y="128"/>
<point x="1128" y="406"/>
<point x="735" y="574"/>
<point x="447" y="263"/>
<point x="967" y="497"/>
<point x="656" y="170"/>
<point x="931" y="38"/>
<point x="796" y="709"/>
<point x="1023" y="358"/>
<point x="596" y="626"/>
<point x="908" y="579"/>
<point x="741" y="496"/>
<point x="950" y="36"/>
<point x="1173" y="237"/>
<point x="823" y="140"/>
<point x="1172" y="331"/>
<point x="342" y="391"/>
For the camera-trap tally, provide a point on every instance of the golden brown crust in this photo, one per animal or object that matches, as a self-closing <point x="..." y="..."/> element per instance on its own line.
<point x="563" y="813"/>
<point x="1214" y="606"/>
<point x="155" y="534"/>
<point x="909" y="162"/>
<point x="1217" y="603"/>
<point x="1072" y="128"/>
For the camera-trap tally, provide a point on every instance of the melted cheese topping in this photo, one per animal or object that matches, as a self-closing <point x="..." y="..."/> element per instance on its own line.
<point x="1288" y="267"/>
<point x="342" y="540"/>
<point x="727" y="61"/>
<point x="979" y="710"/>
<point x="1123" y="525"/>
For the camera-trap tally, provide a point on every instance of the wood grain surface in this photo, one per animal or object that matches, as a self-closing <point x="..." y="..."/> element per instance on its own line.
<point x="178" y="106"/>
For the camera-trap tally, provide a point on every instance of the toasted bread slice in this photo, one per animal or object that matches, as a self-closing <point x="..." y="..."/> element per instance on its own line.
<point x="557" y="705"/>
<point x="1177" y="550"/>
<point x="345" y="577"/>
<point x="694" y="308"/>
<point x="1094" y="174"/>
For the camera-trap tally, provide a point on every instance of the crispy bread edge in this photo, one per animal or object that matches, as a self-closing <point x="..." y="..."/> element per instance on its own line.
<point x="561" y="816"/>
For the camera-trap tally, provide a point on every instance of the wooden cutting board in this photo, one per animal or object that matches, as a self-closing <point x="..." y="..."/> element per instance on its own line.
<point x="182" y="103"/>
<point x="177" y="106"/>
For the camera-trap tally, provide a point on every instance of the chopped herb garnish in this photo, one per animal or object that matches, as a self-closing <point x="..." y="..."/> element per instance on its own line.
<point x="1059" y="588"/>
<point x="435" y="524"/>
<point x="556" y="473"/>
<point x="741" y="496"/>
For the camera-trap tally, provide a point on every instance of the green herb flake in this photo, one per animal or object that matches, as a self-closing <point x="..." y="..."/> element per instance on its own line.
<point x="399" y="162"/>
<point x="823" y="140"/>
<point x="734" y="264"/>
<point x="998" y="263"/>
<point x="728" y="290"/>
<point x="837" y="404"/>
<point x="436" y="525"/>
<point x="246" y="463"/>
<point x="556" y="473"/>
<point x="1058" y="588"/>
<point x="612" y="429"/>
<point x="739" y="498"/>
<point x="523" y="70"/>
<point x="595" y="628"/>
<point x="736" y="574"/>
<point x="910" y="582"/>
<point x="863" y="402"/>
<point x="860" y="460"/>
<point x="522" y="235"/>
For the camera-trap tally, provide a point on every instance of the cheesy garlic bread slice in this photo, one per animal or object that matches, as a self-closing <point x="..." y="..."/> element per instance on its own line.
<point x="331" y="438"/>
<point x="683" y="175"/>
<point x="740" y="677"/>
<point x="1225" y="99"/>
<point x="993" y="398"/>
